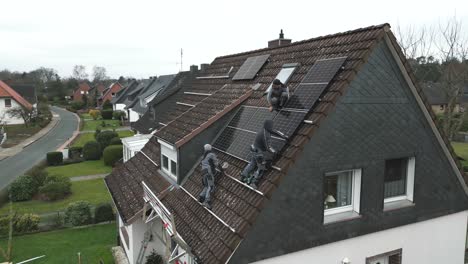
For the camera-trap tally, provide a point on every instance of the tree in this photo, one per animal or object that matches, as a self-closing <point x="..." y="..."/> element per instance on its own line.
<point x="79" y="72"/>
<point x="23" y="113"/>
<point x="99" y="74"/>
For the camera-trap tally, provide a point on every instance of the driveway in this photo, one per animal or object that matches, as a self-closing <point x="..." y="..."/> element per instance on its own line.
<point x="16" y="165"/>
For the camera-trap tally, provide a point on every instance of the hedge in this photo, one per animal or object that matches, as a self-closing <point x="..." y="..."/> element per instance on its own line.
<point x="92" y="151"/>
<point x="75" y="152"/>
<point x="104" y="138"/>
<point x="103" y="213"/>
<point x="115" y="141"/>
<point x="55" y="188"/>
<point x="54" y="158"/>
<point x="119" y="115"/>
<point x="112" y="154"/>
<point x="107" y="114"/>
<point x="22" y="189"/>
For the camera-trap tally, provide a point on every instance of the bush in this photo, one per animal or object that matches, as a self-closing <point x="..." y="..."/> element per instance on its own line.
<point x="55" y="188"/>
<point x="154" y="258"/>
<point x="57" y="220"/>
<point x="94" y="114"/>
<point x="97" y="132"/>
<point x="465" y="168"/>
<point x="104" y="138"/>
<point x="115" y="141"/>
<point x="112" y="154"/>
<point x="38" y="175"/>
<point x="78" y="213"/>
<point x="26" y="223"/>
<point x="75" y="152"/>
<point x="77" y="105"/>
<point x="22" y="189"/>
<point x="54" y="158"/>
<point x="119" y="115"/>
<point x="103" y="213"/>
<point x="107" y="105"/>
<point x="107" y="114"/>
<point x="92" y="151"/>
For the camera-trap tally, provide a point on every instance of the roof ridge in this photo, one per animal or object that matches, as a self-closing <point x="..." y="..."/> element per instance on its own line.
<point x="353" y="31"/>
<point x="16" y="96"/>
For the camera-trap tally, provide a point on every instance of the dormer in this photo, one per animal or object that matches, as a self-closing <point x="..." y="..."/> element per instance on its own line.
<point x="169" y="160"/>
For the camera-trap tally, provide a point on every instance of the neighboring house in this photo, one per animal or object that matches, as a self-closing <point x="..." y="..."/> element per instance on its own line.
<point x="147" y="94"/>
<point x="97" y="91"/>
<point x="82" y="90"/>
<point x="132" y="95"/>
<point x="118" y="102"/>
<point x="109" y="93"/>
<point x="10" y="99"/>
<point x="365" y="177"/>
<point x="27" y="91"/>
<point x="438" y="99"/>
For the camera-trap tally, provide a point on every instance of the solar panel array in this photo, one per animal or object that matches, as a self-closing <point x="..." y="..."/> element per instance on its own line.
<point x="241" y="131"/>
<point x="250" y="67"/>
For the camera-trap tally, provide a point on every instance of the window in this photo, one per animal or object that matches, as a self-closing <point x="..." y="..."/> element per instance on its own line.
<point x="441" y="107"/>
<point x="7" y="102"/>
<point x="284" y="74"/>
<point x="173" y="167"/>
<point x="392" y="257"/>
<point x="342" y="192"/>
<point x="165" y="162"/>
<point x="399" y="179"/>
<point x="113" y="94"/>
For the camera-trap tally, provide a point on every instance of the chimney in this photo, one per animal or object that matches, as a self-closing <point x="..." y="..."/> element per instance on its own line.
<point x="204" y="66"/>
<point x="193" y="68"/>
<point x="281" y="41"/>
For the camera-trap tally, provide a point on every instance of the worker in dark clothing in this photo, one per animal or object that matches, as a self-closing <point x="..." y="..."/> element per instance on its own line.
<point x="209" y="164"/>
<point x="262" y="154"/>
<point x="278" y="95"/>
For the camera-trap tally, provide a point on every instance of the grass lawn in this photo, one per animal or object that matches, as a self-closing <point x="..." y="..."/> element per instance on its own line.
<point x="85" y="137"/>
<point x="88" y="167"/>
<point x="461" y="149"/>
<point x="86" y="116"/>
<point x="18" y="133"/>
<point x="93" y="191"/>
<point x="93" y="124"/>
<point x="62" y="246"/>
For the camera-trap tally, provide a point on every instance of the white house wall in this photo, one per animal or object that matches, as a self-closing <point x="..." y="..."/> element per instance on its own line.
<point x="138" y="232"/>
<point x="4" y="117"/>
<point x="133" y="116"/>
<point x="119" y="107"/>
<point x="435" y="241"/>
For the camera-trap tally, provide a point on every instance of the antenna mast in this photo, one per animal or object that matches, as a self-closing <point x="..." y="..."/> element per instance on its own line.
<point x="181" y="56"/>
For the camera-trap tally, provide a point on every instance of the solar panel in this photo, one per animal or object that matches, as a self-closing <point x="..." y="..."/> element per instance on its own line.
<point x="324" y="70"/>
<point x="242" y="117"/>
<point x="235" y="142"/>
<point x="250" y="67"/>
<point x="257" y="120"/>
<point x="288" y="121"/>
<point x="305" y="96"/>
<point x="277" y="144"/>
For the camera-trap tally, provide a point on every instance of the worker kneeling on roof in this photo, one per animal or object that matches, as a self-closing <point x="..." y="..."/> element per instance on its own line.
<point x="262" y="155"/>
<point x="209" y="164"/>
<point x="278" y="95"/>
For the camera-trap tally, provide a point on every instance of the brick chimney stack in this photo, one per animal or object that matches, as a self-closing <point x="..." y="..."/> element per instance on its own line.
<point x="281" y="41"/>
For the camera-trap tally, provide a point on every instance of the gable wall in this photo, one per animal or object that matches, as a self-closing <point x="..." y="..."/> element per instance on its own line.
<point x="376" y="119"/>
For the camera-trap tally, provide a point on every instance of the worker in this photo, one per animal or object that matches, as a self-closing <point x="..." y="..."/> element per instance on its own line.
<point x="262" y="155"/>
<point x="278" y="95"/>
<point x="209" y="165"/>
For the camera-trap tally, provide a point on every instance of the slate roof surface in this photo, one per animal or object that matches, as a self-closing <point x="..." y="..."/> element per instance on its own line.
<point x="27" y="91"/>
<point x="211" y="239"/>
<point x="7" y="91"/>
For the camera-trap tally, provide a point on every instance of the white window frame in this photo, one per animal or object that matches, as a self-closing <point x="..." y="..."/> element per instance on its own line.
<point x="170" y="152"/>
<point x="356" y="194"/>
<point x="410" y="171"/>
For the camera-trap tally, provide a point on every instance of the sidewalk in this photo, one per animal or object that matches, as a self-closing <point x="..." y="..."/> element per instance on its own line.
<point x="88" y="177"/>
<point x="7" y="152"/>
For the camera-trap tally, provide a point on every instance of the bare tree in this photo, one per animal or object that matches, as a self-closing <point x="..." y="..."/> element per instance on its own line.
<point x="22" y="112"/>
<point x="79" y="72"/>
<point x="99" y="74"/>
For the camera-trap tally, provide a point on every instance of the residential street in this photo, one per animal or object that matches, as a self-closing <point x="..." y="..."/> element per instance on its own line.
<point x="16" y="165"/>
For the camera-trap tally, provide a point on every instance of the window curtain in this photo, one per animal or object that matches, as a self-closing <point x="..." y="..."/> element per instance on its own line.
<point x="344" y="189"/>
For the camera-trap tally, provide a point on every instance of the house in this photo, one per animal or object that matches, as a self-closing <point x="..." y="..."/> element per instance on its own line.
<point x="27" y="91"/>
<point x="118" y="102"/>
<point x="147" y="94"/>
<point x="96" y="92"/>
<point x="109" y="93"/>
<point x="10" y="99"/>
<point x="438" y="98"/>
<point x="365" y="177"/>
<point x="82" y="90"/>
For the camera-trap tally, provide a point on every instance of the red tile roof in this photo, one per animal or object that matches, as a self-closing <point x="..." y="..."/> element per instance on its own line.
<point x="7" y="91"/>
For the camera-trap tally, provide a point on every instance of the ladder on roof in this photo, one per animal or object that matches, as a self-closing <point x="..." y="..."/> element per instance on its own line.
<point x="144" y="244"/>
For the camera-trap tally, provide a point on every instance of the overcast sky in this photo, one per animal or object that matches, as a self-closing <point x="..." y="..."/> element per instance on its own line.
<point x="143" y="38"/>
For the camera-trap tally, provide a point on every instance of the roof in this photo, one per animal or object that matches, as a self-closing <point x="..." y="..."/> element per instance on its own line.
<point x="7" y="91"/>
<point x="213" y="236"/>
<point x="27" y="91"/>
<point x="121" y="95"/>
<point x="153" y="88"/>
<point x="132" y="95"/>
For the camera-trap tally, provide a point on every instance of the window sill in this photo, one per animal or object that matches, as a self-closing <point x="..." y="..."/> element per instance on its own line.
<point x="340" y="217"/>
<point x="390" y="206"/>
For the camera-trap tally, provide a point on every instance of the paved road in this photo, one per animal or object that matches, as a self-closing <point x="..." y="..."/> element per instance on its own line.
<point x="14" y="166"/>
